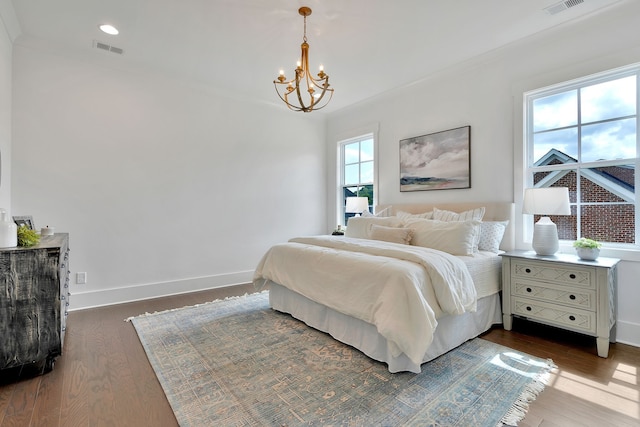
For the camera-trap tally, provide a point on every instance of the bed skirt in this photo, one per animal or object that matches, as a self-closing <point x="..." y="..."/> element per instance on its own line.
<point x="450" y="333"/>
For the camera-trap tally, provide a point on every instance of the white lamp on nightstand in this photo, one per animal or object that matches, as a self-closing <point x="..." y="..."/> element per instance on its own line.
<point x="357" y="205"/>
<point x="546" y="201"/>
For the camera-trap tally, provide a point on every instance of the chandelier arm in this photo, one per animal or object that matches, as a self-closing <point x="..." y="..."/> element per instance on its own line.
<point x="285" y="99"/>
<point x="297" y="86"/>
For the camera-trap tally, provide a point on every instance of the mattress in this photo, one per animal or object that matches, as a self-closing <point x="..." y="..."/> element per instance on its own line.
<point x="485" y="269"/>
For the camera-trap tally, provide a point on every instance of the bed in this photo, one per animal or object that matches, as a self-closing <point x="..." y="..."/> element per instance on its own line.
<point x="403" y="287"/>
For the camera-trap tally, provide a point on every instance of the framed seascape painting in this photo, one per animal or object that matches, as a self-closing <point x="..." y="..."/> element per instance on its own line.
<point x="437" y="161"/>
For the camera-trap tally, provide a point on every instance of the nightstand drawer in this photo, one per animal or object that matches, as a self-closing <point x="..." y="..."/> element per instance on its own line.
<point x="573" y="297"/>
<point x="561" y="274"/>
<point x="566" y="317"/>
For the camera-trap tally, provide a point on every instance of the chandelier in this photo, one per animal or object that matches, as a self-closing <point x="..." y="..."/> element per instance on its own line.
<point x="304" y="92"/>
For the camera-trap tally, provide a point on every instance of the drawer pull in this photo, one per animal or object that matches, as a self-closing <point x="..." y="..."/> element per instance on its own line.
<point x="62" y="297"/>
<point x="529" y="290"/>
<point x="572" y="276"/>
<point x="572" y="296"/>
<point x="528" y="308"/>
<point x="527" y="270"/>
<point x="572" y="318"/>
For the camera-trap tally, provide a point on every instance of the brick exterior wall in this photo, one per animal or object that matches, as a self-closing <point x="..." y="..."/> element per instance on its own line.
<point x="607" y="223"/>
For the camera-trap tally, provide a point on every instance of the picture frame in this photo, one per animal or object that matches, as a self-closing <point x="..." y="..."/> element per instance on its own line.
<point x="25" y="220"/>
<point x="436" y="161"/>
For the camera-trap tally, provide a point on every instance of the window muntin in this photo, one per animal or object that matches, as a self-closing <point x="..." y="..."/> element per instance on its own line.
<point x="357" y="171"/>
<point x="583" y="135"/>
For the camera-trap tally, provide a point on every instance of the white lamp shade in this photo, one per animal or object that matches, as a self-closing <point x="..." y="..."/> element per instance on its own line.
<point x="546" y="201"/>
<point x="357" y="204"/>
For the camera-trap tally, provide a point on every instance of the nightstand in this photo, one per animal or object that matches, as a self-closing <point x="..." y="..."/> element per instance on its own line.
<point x="561" y="290"/>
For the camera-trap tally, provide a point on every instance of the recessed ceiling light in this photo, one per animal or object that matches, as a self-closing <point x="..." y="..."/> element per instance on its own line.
<point x="109" y="29"/>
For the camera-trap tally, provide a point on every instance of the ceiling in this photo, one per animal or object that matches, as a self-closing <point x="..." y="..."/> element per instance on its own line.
<point x="237" y="47"/>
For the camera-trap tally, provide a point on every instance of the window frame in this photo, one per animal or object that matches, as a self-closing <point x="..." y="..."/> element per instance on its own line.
<point x="527" y="167"/>
<point x="340" y="200"/>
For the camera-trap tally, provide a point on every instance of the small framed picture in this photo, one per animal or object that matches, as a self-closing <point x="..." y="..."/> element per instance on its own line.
<point x="25" y="220"/>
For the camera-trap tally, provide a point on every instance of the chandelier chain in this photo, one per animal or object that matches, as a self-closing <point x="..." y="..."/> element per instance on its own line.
<point x="304" y="38"/>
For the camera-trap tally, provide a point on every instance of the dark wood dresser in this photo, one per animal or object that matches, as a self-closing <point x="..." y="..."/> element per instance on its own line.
<point x="34" y="299"/>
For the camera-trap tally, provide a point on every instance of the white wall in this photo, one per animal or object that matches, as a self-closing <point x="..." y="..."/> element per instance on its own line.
<point x="163" y="187"/>
<point x="486" y="94"/>
<point x="5" y="110"/>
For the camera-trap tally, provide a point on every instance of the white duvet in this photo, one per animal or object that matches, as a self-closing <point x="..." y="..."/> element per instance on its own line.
<point x="400" y="289"/>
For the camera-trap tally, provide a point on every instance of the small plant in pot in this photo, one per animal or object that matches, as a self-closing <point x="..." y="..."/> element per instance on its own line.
<point x="588" y="249"/>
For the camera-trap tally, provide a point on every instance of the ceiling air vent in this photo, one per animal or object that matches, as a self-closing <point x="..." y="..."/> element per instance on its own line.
<point x="108" y="48"/>
<point x="562" y="6"/>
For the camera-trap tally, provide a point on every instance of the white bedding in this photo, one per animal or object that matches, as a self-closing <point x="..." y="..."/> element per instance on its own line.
<point x="402" y="289"/>
<point x="485" y="269"/>
<point x="452" y="330"/>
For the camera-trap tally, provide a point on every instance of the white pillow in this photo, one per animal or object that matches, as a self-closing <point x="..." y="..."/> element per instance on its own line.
<point x="360" y="227"/>
<point x="382" y="214"/>
<point x="491" y="233"/>
<point x="391" y="234"/>
<point x="406" y="215"/>
<point x="472" y="214"/>
<point x="454" y="237"/>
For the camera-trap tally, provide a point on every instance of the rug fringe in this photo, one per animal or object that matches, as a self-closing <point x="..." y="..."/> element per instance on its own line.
<point x="146" y="314"/>
<point x="519" y="409"/>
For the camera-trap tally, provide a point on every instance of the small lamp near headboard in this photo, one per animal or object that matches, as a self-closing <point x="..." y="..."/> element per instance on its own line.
<point x="546" y="201"/>
<point x="357" y="205"/>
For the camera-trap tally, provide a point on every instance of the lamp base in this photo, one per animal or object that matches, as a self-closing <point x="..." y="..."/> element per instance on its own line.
<point x="545" y="237"/>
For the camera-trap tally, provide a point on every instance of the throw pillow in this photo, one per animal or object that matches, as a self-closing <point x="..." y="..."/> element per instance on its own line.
<point x="472" y="214"/>
<point x="391" y="234"/>
<point x="454" y="237"/>
<point x="491" y="234"/>
<point x="360" y="226"/>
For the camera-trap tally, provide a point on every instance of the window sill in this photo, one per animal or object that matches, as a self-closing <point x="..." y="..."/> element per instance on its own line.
<point x="623" y="253"/>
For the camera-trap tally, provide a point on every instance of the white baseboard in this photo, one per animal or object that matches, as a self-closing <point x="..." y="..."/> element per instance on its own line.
<point x="628" y="333"/>
<point x="103" y="297"/>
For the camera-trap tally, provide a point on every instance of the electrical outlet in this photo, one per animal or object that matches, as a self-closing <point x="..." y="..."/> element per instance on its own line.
<point x="81" y="278"/>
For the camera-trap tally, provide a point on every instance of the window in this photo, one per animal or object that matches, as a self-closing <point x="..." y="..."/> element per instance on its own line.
<point x="583" y="135"/>
<point x="357" y="171"/>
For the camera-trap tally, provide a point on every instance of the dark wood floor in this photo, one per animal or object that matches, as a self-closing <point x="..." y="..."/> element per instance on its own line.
<point x="104" y="378"/>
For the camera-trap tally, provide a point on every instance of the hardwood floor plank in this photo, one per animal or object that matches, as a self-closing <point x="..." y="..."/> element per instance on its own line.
<point x="6" y="391"/>
<point x="74" y="408"/>
<point x="23" y="398"/>
<point x="146" y="385"/>
<point x="104" y="377"/>
<point x="47" y="406"/>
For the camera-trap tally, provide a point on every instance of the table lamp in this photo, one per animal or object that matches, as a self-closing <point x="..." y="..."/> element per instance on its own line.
<point x="546" y="201"/>
<point x="357" y="205"/>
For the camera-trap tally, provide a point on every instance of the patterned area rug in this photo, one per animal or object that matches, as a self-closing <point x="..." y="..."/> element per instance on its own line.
<point x="238" y="363"/>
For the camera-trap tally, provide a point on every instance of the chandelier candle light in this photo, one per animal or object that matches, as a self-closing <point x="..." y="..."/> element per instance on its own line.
<point x="293" y="93"/>
<point x="546" y="201"/>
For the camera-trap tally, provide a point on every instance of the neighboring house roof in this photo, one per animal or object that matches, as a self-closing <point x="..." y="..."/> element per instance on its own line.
<point x="615" y="179"/>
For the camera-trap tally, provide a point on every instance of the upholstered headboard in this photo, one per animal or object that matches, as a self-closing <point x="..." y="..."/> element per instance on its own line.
<point x="494" y="211"/>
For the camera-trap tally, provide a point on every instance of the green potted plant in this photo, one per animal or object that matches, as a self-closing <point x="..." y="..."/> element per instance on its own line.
<point x="27" y="237"/>
<point x="588" y="249"/>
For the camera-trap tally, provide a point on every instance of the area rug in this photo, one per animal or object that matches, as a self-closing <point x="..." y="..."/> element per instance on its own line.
<point x="239" y="363"/>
